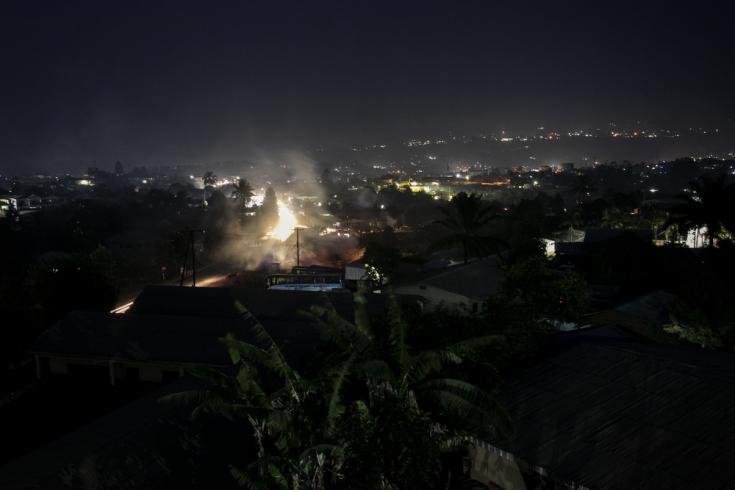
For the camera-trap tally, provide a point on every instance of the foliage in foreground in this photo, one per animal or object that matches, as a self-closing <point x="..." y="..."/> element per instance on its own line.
<point x="374" y="414"/>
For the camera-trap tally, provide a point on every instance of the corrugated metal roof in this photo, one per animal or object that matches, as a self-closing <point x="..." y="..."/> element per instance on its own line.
<point x="610" y="414"/>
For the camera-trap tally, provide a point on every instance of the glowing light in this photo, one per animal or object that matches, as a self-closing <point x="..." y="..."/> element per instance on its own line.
<point x="122" y="309"/>
<point x="210" y="280"/>
<point x="286" y="223"/>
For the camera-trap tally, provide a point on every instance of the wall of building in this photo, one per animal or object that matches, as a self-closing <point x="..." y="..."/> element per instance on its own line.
<point x="495" y="469"/>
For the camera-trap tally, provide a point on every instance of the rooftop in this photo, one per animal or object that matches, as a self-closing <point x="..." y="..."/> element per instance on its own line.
<point x="602" y="411"/>
<point x="477" y="279"/>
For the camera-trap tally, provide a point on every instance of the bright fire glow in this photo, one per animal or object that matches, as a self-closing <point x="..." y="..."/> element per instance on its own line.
<point x="122" y="309"/>
<point x="286" y="223"/>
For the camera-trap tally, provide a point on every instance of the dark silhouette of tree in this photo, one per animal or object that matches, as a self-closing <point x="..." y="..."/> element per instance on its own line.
<point x="243" y="192"/>
<point x="326" y="178"/>
<point x="119" y="169"/>
<point x="268" y="212"/>
<point x="380" y="260"/>
<point x="710" y="204"/>
<point x="208" y="179"/>
<point x="465" y="219"/>
<point x="709" y="324"/>
<point x="60" y="284"/>
<point x="548" y="294"/>
<point x="704" y="312"/>
<point x="583" y="188"/>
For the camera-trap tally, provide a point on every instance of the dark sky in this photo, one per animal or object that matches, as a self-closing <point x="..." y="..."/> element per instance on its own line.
<point x="164" y="82"/>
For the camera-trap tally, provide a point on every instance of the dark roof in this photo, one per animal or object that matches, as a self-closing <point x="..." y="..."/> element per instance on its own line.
<point x="653" y="307"/>
<point x="147" y="443"/>
<point x="601" y="235"/>
<point x="644" y="316"/>
<point x="478" y="279"/>
<point x="133" y="337"/>
<point x="603" y="412"/>
<point x="182" y="325"/>
<point x="570" y="248"/>
<point x="265" y="304"/>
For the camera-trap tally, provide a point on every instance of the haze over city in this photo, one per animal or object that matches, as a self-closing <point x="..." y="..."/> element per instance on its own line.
<point x="176" y="82"/>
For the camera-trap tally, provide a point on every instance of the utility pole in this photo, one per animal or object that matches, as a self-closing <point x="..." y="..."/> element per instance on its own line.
<point x="190" y="248"/>
<point x="298" y="250"/>
<point x="298" y="246"/>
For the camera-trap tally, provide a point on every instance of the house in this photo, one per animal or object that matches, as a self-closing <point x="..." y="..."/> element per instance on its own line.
<point x="644" y="316"/>
<point x="461" y="285"/>
<point x="149" y="348"/>
<point x="169" y="329"/>
<point x="8" y="205"/>
<point x="356" y="273"/>
<point x="31" y="201"/>
<point x="574" y="246"/>
<point x="602" y="409"/>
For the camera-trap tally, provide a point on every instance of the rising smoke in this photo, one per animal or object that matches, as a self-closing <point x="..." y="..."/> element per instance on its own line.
<point x="302" y="200"/>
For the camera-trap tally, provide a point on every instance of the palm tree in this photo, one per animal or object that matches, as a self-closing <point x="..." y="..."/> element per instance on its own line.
<point x="375" y="412"/>
<point x="269" y="395"/>
<point x="709" y="204"/>
<point x="466" y="218"/>
<point x="208" y="179"/>
<point x="387" y="363"/>
<point x="243" y="192"/>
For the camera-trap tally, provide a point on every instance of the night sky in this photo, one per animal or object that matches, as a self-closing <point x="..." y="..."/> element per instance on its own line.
<point x="165" y="82"/>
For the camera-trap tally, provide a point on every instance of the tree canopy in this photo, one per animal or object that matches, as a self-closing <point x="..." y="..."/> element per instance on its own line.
<point x="465" y="221"/>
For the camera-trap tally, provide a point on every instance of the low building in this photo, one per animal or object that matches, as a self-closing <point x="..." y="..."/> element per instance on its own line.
<point x="573" y="246"/>
<point x="8" y="206"/>
<point x="169" y="329"/>
<point x="356" y="273"/>
<point x="462" y="285"/>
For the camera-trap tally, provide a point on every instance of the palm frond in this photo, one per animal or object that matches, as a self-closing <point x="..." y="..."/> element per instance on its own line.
<point x="467" y="348"/>
<point x="374" y="370"/>
<point x="334" y="405"/>
<point x="333" y="450"/>
<point x="243" y="352"/>
<point x="466" y="400"/>
<point x="278" y="360"/>
<point x="429" y="362"/>
<point x="348" y="336"/>
<point x="397" y="336"/>
<point x="362" y="317"/>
